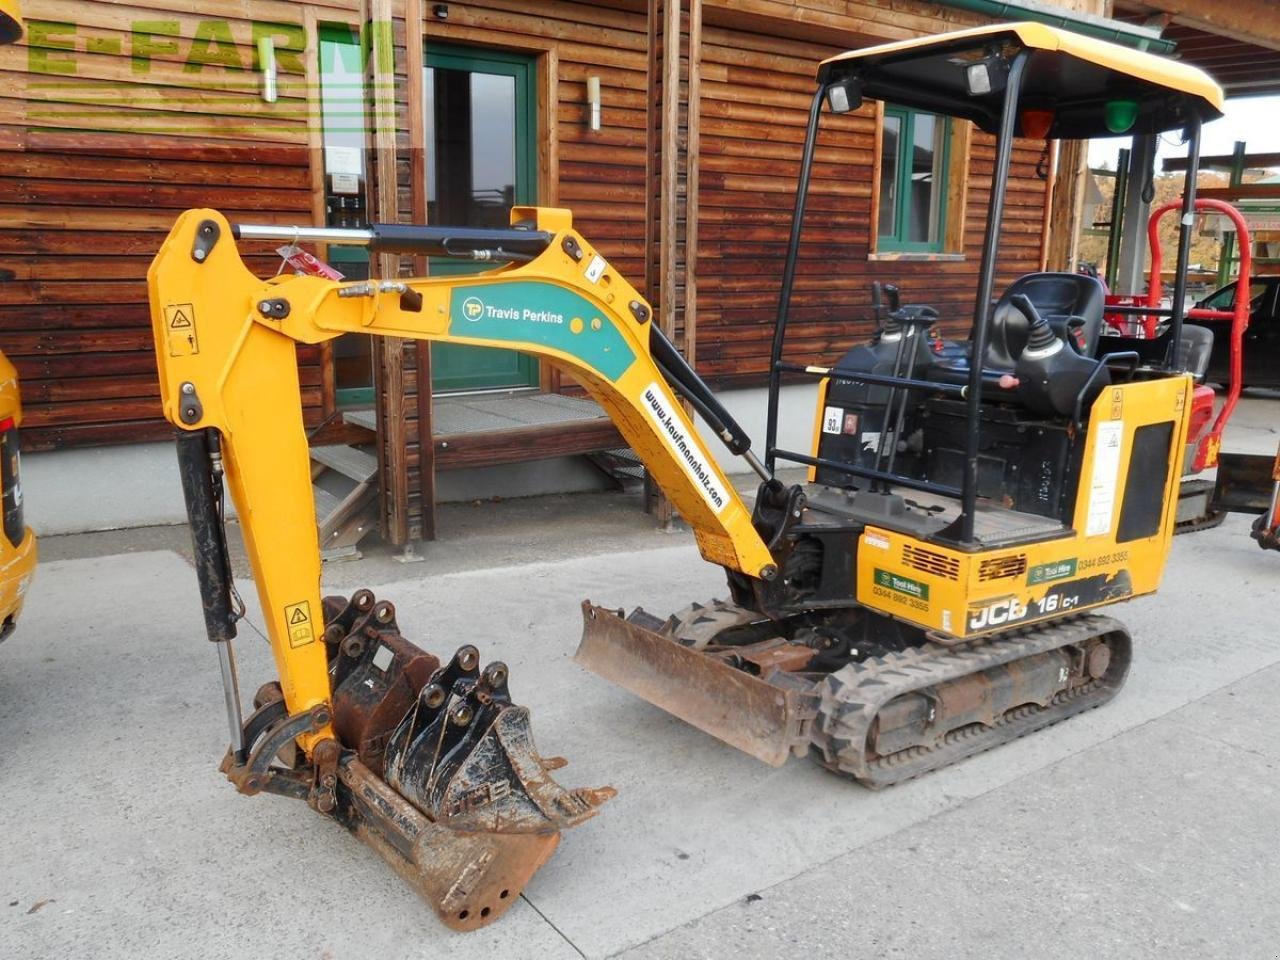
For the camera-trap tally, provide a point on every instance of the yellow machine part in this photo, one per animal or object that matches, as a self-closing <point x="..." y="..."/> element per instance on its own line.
<point x="225" y="364"/>
<point x="17" y="560"/>
<point x="10" y="21"/>
<point x="963" y="594"/>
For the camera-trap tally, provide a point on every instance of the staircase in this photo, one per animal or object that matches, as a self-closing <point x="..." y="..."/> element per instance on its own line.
<point x="620" y="465"/>
<point x="344" y="481"/>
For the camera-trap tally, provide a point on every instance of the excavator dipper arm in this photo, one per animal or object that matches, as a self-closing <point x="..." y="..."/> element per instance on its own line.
<point x="431" y="764"/>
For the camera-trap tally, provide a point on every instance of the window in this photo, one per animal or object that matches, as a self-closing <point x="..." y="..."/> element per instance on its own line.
<point x="343" y="124"/>
<point x="342" y="117"/>
<point x="913" y="181"/>
<point x="1225" y="299"/>
<point x="481" y="159"/>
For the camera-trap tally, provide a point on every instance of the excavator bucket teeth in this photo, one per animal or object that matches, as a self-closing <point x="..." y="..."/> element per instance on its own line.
<point x="445" y="782"/>
<point x="768" y="721"/>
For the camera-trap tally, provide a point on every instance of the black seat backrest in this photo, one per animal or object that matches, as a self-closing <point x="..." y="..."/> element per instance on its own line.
<point x="1058" y="297"/>
<point x="1194" y="350"/>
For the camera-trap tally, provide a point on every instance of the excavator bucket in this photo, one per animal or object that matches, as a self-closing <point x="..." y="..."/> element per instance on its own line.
<point x="434" y="767"/>
<point x="1245" y="482"/>
<point x="766" y="718"/>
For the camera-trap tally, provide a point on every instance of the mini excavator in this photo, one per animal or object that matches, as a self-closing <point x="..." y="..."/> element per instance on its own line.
<point x="930" y="592"/>
<point x="17" y="542"/>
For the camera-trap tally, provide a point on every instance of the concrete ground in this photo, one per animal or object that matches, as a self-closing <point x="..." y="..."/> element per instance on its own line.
<point x="1144" y="829"/>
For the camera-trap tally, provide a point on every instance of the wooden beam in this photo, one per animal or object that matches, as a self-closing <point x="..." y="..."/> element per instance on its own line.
<point x="315" y="157"/>
<point x="1246" y="191"/>
<point x="388" y="352"/>
<point x="670" y="147"/>
<point x="957" y="198"/>
<point x="1067" y="205"/>
<point x="693" y="149"/>
<point x="1224" y="161"/>
<point x="489" y="447"/>
<point x="550" y="379"/>
<point x="1047" y="217"/>
<point x="1250" y="21"/>
<point x="415" y="54"/>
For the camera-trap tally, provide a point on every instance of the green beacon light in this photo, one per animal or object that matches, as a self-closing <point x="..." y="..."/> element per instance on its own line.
<point x="1120" y="115"/>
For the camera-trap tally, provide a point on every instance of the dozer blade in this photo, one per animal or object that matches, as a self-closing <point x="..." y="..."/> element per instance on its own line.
<point x="767" y="721"/>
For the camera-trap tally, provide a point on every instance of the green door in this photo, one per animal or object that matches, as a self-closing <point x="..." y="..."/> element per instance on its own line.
<point x="481" y="125"/>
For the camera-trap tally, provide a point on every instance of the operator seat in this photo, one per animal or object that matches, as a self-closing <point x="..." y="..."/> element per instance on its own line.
<point x="1072" y="303"/>
<point x="1195" y="349"/>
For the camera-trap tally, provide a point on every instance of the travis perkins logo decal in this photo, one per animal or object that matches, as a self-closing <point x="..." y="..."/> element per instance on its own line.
<point x="659" y="408"/>
<point x="473" y="308"/>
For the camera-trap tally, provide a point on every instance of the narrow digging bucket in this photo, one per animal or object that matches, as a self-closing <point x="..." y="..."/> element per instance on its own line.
<point x="769" y="722"/>
<point x="469" y="878"/>
<point x="437" y="768"/>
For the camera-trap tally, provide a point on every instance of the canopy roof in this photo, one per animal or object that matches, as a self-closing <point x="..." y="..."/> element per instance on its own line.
<point x="1070" y="75"/>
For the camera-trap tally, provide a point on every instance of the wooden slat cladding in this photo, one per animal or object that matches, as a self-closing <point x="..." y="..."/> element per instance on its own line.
<point x="120" y="116"/>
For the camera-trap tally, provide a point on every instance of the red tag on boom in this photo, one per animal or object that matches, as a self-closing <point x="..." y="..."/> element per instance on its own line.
<point x="307" y="263"/>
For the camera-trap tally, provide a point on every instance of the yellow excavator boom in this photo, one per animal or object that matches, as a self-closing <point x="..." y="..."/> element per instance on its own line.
<point x="431" y="764"/>
<point x="225" y="348"/>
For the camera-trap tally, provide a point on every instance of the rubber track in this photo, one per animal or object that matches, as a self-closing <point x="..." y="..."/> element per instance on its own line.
<point x="853" y="695"/>
<point x="1206" y="521"/>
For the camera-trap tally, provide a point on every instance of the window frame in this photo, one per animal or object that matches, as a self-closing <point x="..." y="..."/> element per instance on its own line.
<point x="894" y="242"/>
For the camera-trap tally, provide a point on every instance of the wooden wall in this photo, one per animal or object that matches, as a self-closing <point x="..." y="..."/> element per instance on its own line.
<point x="100" y="148"/>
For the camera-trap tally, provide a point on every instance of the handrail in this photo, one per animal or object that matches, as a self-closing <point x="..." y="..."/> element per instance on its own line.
<point x="867" y="473"/>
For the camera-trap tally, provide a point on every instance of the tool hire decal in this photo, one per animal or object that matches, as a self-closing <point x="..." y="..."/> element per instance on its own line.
<point x="1077" y="594"/>
<point x="658" y="404"/>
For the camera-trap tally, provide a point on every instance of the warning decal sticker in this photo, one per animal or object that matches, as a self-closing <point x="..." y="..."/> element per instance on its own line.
<point x="298" y="618"/>
<point x="1106" y="472"/>
<point x="180" y="318"/>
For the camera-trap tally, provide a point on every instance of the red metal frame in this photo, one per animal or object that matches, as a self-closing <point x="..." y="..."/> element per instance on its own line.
<point x="1207" y="443"/>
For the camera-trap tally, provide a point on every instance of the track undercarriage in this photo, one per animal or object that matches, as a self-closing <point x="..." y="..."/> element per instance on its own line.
<point x="866" y="697"/>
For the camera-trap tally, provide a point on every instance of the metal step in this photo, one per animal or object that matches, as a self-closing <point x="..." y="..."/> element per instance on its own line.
<point x="326" y="504"/>
<point x="348" y="461"/>
<point x="361" y="418"/>
<point x="345" y="488"/>
<point x="621" y="465"/>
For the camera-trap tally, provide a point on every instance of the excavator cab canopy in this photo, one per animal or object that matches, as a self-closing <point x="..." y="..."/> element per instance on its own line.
<point x="1073" y="87"/>
<point x="1011" y="80"/>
